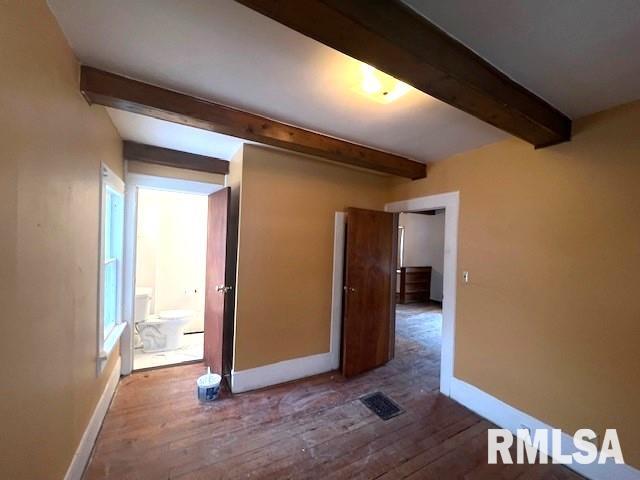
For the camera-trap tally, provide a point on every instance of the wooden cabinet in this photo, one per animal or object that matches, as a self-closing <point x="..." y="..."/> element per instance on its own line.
<point x="414" y="285"/>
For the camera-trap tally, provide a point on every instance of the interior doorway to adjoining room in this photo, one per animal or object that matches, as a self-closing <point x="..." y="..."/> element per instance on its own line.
<point x="419" y="283"/>
<point x="171" y="252"/>
<point x="445" y="208"/>
<point x="366" y="258"/>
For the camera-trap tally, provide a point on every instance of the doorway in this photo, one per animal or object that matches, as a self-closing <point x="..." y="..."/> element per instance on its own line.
<point x="175" y="252"/>
<point x="449" y="204"/>
<point x="171" y="251"/>
<point x="419" y="283"/>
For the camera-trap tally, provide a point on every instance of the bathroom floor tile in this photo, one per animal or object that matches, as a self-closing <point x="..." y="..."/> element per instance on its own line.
<point x="192" y="349"/>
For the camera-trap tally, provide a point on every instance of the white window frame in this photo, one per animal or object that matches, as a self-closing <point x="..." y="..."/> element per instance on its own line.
<point x="109" y="180"/>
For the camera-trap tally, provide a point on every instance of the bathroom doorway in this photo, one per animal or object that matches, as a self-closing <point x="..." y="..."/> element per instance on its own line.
<point x="175" y="277"/>
<point x="171" y="250"/>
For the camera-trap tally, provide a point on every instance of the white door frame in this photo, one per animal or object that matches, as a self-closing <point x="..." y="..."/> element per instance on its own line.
<point x="133" y="181"/>
<point x="450" y="202"/>
<point x="339" y="238"/>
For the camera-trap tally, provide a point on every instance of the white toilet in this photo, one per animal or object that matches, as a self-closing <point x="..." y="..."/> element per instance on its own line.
<point x="161" y="332"/>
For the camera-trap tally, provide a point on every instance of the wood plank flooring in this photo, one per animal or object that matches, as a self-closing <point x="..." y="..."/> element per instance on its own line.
<point x="310" y="429"/>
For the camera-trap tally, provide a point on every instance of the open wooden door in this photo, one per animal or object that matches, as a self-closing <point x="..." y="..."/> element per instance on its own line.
<point x="368" y="332"/>
<point x="215" y="287"/>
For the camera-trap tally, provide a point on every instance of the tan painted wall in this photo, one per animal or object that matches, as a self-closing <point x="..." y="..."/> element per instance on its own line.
<point x="550" y="322"/>
<point x="288" y="204"/>
<point x="52" y="144"/>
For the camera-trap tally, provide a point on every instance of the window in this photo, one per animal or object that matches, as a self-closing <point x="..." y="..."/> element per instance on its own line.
<point x="110" y="325"/>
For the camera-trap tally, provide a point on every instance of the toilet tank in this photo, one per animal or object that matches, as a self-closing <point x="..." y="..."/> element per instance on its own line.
<point x="142" y="307"/>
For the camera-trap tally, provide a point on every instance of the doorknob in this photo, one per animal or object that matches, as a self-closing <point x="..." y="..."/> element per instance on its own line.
<point x="223" y="289"/>
<point x="349" y="289"/>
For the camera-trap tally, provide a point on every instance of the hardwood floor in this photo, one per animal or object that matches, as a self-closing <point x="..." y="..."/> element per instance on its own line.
<point x="310" y="429"/>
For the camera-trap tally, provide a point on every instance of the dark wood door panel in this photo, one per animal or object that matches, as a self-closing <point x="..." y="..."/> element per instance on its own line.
<point x="369" y="312"/>
<point x="215" y="278"/>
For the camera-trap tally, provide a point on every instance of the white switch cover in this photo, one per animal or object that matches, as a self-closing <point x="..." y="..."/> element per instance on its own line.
<point x="465" y="277"/>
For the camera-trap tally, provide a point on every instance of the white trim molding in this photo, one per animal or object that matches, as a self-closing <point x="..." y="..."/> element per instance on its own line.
<point x="339" y="237"/>
<point x="83" y="452"/>
<point x="280" y="372"/>
<point x="172" y="184"/>
<point x="450" y="202"/>
<point x="129" y="281"/>
<point x="109" y="181"/>
<point x="510" y="418"/>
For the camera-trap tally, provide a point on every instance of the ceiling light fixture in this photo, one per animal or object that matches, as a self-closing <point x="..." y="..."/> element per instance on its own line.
<point x="381" y="87"/>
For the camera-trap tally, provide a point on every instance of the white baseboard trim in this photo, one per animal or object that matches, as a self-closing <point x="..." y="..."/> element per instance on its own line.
<point x="267" y="375"/>
<point x="510" y="418"/>
<point x="285" y="371"/>
<point x="81" y="457"/>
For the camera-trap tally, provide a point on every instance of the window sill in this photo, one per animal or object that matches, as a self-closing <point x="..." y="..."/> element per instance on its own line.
<point x="109" y="344"/>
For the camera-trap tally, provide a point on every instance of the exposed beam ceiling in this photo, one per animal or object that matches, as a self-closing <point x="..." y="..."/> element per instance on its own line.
<point x="123" y="93"/>
<point x="393" y="38"/>
<point x="173" y="158"/>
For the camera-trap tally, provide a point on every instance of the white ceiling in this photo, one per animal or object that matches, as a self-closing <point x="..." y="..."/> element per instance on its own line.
<point x="582" y="56"/>
<point x="143" y="129"/>
<point x="222" y="51"/>
<point x="579" y="55"/>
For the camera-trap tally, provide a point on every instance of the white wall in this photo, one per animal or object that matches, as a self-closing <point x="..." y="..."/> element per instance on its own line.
<point x="424" y="246"/>
<point x="171" y="251"/>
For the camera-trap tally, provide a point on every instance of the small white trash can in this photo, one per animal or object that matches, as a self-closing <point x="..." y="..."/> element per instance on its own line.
<point x="208" y="386"/>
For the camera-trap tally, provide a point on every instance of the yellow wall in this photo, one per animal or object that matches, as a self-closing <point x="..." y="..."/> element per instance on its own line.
<point x="550" y="322"/>
<point x="52" y="144"/>
<point x="288" y="205"/>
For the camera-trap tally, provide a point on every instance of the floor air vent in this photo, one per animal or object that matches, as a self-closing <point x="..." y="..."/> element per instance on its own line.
<point x="381" y="405"/>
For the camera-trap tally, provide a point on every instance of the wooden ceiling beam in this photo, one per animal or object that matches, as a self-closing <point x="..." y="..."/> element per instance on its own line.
<point x="123" y="93"/>
<point x="141" y="152"/>
<point x="390" y="36"/>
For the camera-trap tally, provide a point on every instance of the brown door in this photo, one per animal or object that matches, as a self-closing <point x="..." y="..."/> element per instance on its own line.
<point x="215" y="287"/>
<point x="368" y="334"/>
